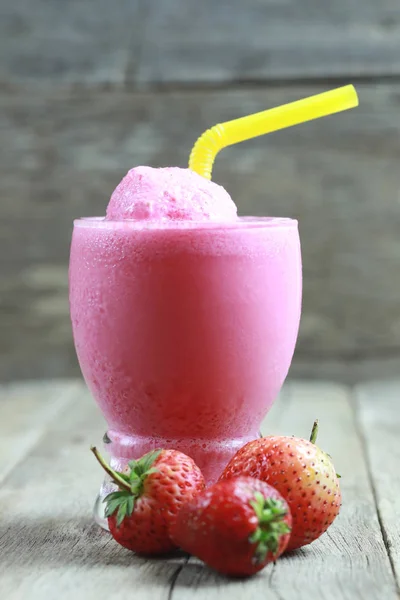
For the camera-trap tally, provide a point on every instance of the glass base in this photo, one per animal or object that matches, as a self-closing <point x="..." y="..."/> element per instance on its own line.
<point x="211" y="456"/>
<point x="99" y="506"/>
<point x="98" y="513"/>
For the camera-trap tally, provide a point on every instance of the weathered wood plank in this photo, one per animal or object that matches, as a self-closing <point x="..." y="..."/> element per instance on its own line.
<point x="265" y="39"/>
<point x="70" y="41"/>
<point x="350" y="561"/>
<point x="26" y="411"/>
<point x="273" y="421"/>
<point x="379" y="418"/>
<point x="146" y="41"/>
<point x="339" y="176"/>
<point x="49" y="544"/>
<point x="344" y="370"/>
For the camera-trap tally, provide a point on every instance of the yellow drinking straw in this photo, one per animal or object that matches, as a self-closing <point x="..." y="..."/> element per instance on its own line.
<point x="226" y="134"/>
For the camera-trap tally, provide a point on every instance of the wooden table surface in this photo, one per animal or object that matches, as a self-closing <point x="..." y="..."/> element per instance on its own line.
<point x="50" y="547"/>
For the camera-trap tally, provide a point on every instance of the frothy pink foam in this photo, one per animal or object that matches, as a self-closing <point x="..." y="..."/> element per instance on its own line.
<point x="169" y="194"/>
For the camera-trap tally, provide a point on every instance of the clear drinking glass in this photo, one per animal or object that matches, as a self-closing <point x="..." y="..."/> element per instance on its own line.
<point x="184" y="333"/>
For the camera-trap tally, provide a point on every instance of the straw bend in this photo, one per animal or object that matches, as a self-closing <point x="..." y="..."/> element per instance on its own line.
<point x="205" y="150"/>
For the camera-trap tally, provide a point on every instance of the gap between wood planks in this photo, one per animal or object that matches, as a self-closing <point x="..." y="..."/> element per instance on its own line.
<point x="377" y="418"/>
<point x="181" y="87"/>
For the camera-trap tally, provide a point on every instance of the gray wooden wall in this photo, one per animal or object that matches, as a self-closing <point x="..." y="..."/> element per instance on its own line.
<point x="89" y="88"/>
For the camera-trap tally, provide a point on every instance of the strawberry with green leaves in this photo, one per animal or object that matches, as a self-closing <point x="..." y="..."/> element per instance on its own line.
<point x="302" y="473"/>
<point x="236" y="527"/>
<point x="151" y="492"/>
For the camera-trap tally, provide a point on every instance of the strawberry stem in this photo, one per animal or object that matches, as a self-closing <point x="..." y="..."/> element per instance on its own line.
<point x="123" y="485"/>
<point x="314" y="432"/>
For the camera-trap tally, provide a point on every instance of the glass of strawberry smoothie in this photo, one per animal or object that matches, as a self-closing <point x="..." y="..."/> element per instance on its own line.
<point x="184" y="327"/>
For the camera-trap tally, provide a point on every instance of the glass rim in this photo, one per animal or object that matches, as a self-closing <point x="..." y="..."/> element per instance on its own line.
<point x="245" y="222"/>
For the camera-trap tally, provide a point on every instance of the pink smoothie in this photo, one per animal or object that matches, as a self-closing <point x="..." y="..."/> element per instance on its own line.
<point x="184" y="328"/>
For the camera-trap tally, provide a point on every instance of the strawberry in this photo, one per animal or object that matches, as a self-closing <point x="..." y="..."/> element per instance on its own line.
<point x="150" y="494"/>
<point x="236" y="527"/>
<point x="302" y="473"/>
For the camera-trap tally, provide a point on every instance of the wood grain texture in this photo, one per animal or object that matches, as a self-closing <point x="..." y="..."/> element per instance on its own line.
<point x="339" y="176"/>
<point x="52" y="41"/>
<point x="49" y="544"/>
<point x="344" y="370"/>
<point x="232" y="40"/>
<point x="350" y="561"/>
<point x="379" y="419"/>
<point x="145" y="41"/>
<point x="26" y="410"/>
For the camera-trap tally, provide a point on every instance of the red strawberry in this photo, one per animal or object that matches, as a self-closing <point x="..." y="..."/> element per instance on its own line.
<point x="150" y="495"/>
<point x="302" y="473"/>
<point x="236" y="526"/>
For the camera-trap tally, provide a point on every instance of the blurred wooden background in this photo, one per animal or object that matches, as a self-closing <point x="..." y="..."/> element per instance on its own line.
<point x="89" y="88"/>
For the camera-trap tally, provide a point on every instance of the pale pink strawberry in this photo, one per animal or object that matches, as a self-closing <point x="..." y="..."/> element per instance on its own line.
<point x="302" y="473"/>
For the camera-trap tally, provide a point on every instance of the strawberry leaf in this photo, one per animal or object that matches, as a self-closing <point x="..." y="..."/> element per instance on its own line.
<point x="114" y="495"/>
<point x="132" y="465"/>
<point x="140" y="469"/>
<point x="111" y="508"/>
<point x="130" y="505"/>
<point x="124" y="476"/>
<point x="145" y="463"/>
<point x="256" y="536"/>
<point x="271" y="525"/>
<point x="152" y="470"/>
<point x="258" y="504"/>
<point x="133" y="476"/>
<point x="114" y="502"/>
<point x="121" y="513"/>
